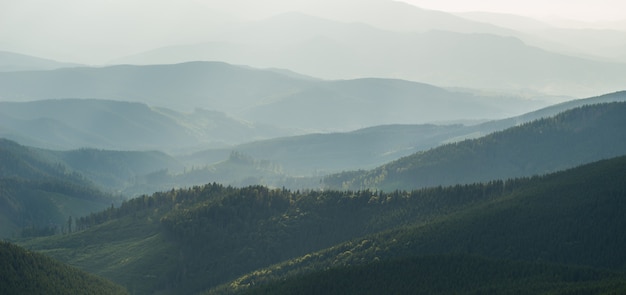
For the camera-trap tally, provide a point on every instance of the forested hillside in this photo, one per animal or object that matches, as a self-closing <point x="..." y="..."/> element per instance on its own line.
<point x="367" y="148"/>
<point x="176" y="240"/>
<point x="571" y="218"/>
<point x="25" y="272"/>
<point x="38" y="196"/>
<point x="450" y="274"/>
<point x="574" y="137"/>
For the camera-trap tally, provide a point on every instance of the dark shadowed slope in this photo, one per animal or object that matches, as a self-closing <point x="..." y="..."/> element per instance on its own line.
<point x="25" y="272"/>
<point x="450" y="274"/>
<point x="40" y="195"/>
<point x="196" y="238"/>
<point x="550" y="223"/>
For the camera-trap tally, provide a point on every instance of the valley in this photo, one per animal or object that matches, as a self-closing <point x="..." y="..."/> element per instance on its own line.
<point x="312" y="147"/>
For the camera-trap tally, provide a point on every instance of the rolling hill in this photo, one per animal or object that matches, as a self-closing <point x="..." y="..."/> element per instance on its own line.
<point x="324" y="153"/>
<point x="105" y="124"/>
<point x="562" y="228"/>
<point x="571" y="138"/>
<point x="177" y="240"/>
<point x="269" y="96"/>
<point x="38" y="196"/>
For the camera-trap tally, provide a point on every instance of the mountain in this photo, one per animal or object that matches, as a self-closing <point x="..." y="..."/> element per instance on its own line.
<point x="359" y="103"/>
<point x="200" y="237"/>
<point x="114" y="171"/>
<point x="559" y="227"/>
<point x="238" y="169"/>
<point x="432" y="54"/>
<point x="269" y="97"/>
<point x="10" y="62"/>
<point x="25" y="272"/>
<point x="38" y="195"/>
<point x="323" y="153"/>
<point x="595" y="43"/>
<point x="208" y="85"/>
<point x="571" y="138"/>
<point x="106" y="124"/>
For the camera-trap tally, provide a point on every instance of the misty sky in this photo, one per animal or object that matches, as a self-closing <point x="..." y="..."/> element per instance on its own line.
<point x="582" y="10"/>
<point x="98" y="31"/>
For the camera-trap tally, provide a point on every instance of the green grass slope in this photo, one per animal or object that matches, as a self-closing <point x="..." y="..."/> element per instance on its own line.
<point x="25" y="272"/>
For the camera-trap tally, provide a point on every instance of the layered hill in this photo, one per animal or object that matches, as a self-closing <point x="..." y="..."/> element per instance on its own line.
<point x="264" y="96"/>
<point x="25" y="272"/>
<point x="431" y="52"/>
<point x="557" y="232"/>
<point x="323" y="153"/>
<point x="105" y="124"/>
<point x="194" y="239"/>
<point x="571" y="138"/>
<point x="39" y="196"/>
<point x="11" y="62"/>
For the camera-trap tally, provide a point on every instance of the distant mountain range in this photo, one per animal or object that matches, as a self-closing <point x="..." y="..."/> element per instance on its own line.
<point x="10" y="62"/>
<point x="272" y="97"/>
<point x="104" y="124"/>
<point x="291" y="161"/>
<point x="594" y="43"/>
<point x="330" y="40"/>
<point x="479" y="56"/>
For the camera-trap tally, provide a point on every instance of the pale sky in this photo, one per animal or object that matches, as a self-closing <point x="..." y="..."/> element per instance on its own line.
<point x="582" y="10"/>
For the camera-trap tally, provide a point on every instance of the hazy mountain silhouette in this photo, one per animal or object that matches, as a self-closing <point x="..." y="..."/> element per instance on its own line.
<point x="600" y="44"/>
<point x="105" y="124"/>
<point x="338" y="50"/>
<point x="571" y="138"/>
<point x="272" y="97"/>
<point x="320" y="153"/>
<point x="10" y="61"/>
